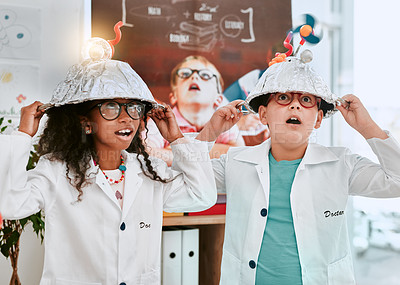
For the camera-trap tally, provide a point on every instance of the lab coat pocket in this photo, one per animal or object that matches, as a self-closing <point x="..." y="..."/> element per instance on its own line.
<point x="70" y="282"/>
<point x="341" y="272"/>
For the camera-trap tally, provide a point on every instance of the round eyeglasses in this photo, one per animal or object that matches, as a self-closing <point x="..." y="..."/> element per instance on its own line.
<point x="186" y="72"/>
<point x="110" y="110"/>
<point x="204" y="74"/>
<point x="305" y="100"/>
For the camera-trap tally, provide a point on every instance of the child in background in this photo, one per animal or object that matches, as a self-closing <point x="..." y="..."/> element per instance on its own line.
<point x="103" y="197"/>
<point x="196" y="93"/>
<point x="286" y="198"/>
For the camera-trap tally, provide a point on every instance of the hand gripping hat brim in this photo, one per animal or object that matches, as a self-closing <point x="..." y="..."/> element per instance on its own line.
<point x="292" y="75"/>
<point x="101" y="80"/>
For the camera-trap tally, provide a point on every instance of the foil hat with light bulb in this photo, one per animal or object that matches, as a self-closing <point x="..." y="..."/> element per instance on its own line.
<point x="287" y="73"/>
<point x="98" y="77"/>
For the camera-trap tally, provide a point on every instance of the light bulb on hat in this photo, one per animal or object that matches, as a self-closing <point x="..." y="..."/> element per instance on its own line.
<point x="306" y="56"/>
<point x="96" y="49"/>
<point x="96" y="52"/>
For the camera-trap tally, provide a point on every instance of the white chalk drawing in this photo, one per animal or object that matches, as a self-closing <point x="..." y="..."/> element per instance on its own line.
<point x="180" y="1"/>
<point x="200" y="28"/>
<point x="19" y="32"/>
<point x="155" y="11"/>
<point x="124" y="15"/>
<point x="187" y="14"/>
<point x="228" y="28"/>
<point x="204" y="7"/>
<point x="251" y="28"/>
<point x="202" y="36"/>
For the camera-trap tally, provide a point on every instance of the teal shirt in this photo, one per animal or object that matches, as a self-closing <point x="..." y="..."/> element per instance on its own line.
<point x="278" y="261"/>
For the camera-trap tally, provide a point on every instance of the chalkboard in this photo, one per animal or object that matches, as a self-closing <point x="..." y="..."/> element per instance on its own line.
<point x="236" y="36"/>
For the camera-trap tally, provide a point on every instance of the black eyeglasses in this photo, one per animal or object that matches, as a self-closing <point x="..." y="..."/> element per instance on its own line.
<point x="305" y="100"/>
<point x="204" y="74"/>
<point x="110" y="110"/>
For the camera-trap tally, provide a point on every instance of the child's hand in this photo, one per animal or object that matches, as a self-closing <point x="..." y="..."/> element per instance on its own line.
<point x="357" y="116"/>
<point x="166" y="123"/>
<point x="222" y="120"/>
<point x="30" y="118"/>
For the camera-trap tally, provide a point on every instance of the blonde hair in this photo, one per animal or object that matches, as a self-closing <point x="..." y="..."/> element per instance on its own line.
<point x="203" y="60"/>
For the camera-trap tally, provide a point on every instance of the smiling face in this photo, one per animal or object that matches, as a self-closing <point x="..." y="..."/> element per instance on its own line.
<point x="291" y="123"/>
<point x="111" y="135"/>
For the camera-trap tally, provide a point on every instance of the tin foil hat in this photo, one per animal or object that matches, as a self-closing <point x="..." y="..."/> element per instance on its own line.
<point x="292" y="74"/>
<point x="99" y="77"/>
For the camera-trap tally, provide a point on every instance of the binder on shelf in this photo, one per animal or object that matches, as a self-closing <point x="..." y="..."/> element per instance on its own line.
<point x="217" y="209"/>
<point x="190" y="256"/>
<point x="171" y="257"/>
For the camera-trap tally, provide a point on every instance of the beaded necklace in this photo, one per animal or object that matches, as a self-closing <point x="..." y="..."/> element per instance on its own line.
<point x="122" y="167"/>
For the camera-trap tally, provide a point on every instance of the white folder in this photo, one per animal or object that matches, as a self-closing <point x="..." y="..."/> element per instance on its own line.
<point x="171" y="258"/>
<point x="190" y="257"/>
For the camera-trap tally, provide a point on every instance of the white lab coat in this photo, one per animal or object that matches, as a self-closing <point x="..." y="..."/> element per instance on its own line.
<point x="324" y="179"/>
<point x="94" y="241"/>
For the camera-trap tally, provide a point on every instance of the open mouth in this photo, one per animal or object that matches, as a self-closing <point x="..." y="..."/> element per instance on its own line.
<point x="293" y="120"/>
<point x="194" y="86"/>
<point x="125" y="132"/>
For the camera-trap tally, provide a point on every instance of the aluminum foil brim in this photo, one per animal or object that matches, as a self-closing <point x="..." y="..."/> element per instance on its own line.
<point x="292" y="75"/>
<point x="101" y="80"/>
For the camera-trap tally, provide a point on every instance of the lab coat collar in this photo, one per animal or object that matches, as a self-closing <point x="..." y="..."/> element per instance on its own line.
<point x="258" y="156"/>
<point x="255" y="154"/>
<point x="315" y="154"/>
<point x="132" y="182"/>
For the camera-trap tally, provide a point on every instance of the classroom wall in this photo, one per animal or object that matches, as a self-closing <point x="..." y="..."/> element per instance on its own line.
<point x="333" y="56"/>
<point x="56" y="39"/>
<point x="64" y="25"/>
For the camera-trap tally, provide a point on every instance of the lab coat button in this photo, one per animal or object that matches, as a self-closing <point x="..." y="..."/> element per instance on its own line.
<point x="122" y="227"/>
<point x="252" y="264"/>
<point x="264" y="212"/>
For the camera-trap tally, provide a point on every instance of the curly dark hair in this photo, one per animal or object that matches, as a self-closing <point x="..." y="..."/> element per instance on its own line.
<point x="64" y="139"/>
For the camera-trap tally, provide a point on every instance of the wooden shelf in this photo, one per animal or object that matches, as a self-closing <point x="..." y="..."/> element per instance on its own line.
<point x="211" y="240"/>
<point x="194" y="220"/>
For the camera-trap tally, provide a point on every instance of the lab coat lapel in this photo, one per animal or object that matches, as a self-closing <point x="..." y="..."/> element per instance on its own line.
<point x="258" y="156"/>
<point x="317" y="154"/>
<point x="132" y="182"/>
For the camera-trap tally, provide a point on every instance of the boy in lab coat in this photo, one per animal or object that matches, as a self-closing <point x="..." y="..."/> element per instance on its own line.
<point x="286" y="198"/>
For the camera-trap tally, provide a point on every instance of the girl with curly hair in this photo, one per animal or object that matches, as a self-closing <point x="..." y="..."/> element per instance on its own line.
<point x="102" y="195"/>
